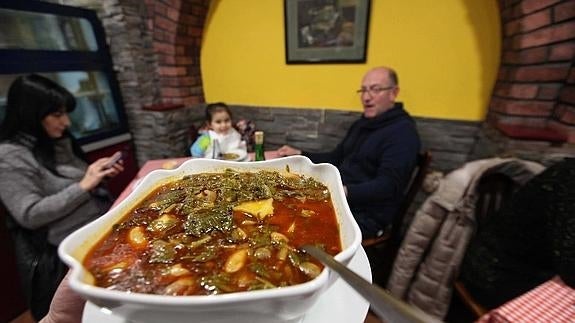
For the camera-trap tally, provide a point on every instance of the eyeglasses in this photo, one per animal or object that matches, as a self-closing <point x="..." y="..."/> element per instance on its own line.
<point x="374" y="90"/>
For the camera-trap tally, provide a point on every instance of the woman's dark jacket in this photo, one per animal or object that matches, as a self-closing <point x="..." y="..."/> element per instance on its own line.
<point x="376" y="159"/>
<point x="531" y="240"/>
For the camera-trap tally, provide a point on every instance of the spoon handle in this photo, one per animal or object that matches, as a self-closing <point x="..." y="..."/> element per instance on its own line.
<point x="385" y="305"/>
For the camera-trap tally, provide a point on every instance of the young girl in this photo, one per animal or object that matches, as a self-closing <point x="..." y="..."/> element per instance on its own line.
<point x="221" y="137"/>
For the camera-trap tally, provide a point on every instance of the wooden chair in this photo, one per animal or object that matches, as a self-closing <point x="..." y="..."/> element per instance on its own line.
<point x="393" y="234"/>
<point x="382" y="250"/>
<point x="493" y="190"/>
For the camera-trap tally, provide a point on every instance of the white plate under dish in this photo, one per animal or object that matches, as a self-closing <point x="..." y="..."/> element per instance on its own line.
<point x="339" y="304"/>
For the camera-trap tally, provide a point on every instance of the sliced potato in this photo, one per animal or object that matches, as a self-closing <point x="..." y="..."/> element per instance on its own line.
<point x="163" y="223"/>
<point x="238" y="234"/>
<point x="310" y="269"/>
<point x="249" y="222"/>
<point x="263" y="253"/>
<point x="236" y="261"/>
<point x="278" y="237"/>
<point x="287" y="174"/>
<point x="307" y="213"/>
<point x="282" y="253"/>
<point x="137" y="238"/>
<point x="259" y="209"/>
<point x="178" y="270"/>
<point x="180" y="286"/>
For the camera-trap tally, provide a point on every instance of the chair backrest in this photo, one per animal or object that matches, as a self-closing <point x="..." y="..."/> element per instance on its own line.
<point x="414" y="185"/>
<point x="493" y="191"/>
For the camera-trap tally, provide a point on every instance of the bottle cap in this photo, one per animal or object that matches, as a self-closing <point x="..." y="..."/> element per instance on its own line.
<point x="259" y="137"/>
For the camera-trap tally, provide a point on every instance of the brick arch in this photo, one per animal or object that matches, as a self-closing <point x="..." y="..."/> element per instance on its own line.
<point x="176" y="27"/>
<point x="534" y="96"/>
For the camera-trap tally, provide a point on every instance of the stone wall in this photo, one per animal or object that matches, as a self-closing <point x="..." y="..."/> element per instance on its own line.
<point x="450" y="142"/>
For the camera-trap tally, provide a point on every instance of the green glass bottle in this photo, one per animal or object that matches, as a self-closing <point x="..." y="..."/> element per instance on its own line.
<point x="259" y="146"/>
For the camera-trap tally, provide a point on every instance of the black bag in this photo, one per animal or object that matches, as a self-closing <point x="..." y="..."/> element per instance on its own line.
<point x="39" y="266"/>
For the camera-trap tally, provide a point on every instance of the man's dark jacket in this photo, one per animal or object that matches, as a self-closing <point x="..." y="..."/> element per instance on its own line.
<point x="376" y="159"/>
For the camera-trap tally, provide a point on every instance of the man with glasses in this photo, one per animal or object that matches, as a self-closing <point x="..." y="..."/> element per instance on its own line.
<point x="377" y="155"/>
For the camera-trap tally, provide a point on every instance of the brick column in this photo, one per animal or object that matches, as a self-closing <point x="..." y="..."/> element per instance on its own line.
<point x="564" y="114"/>
<point x="534" y="94"/>
<point x="176" y="27"/>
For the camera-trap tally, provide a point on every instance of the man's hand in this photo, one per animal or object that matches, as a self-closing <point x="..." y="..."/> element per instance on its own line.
<point x="288" y="151"/>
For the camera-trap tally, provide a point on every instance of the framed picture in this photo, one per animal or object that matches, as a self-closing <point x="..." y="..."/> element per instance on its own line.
<point x="326" y="31"/>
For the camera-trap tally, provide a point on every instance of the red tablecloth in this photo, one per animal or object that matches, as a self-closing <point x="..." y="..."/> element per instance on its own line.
<point x="552" y="301"/>
<point x="169" y="163"/>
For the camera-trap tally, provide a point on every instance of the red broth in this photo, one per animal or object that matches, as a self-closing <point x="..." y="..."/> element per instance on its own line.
<point x="188" y="237"/>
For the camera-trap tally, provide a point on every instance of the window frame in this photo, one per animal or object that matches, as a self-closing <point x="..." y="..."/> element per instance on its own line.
<point x="23" y="61"/>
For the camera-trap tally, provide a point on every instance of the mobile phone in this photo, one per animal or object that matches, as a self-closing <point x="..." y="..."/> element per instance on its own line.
<point x="113" y="159"/>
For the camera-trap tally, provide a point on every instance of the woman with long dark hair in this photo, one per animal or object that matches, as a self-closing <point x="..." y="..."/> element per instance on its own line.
<point x="45" y="183"/>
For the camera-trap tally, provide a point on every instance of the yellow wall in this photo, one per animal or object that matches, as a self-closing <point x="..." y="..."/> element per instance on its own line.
<point x="445" y="52"/>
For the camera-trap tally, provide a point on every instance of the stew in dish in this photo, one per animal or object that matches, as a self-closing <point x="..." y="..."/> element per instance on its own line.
<point x="214" y="233"/>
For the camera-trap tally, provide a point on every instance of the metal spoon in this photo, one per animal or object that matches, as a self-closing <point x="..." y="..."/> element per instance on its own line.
<point x="385" y="305"/>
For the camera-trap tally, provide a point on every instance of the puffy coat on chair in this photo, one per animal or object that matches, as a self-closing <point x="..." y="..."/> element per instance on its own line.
<point x="428" y="260"/>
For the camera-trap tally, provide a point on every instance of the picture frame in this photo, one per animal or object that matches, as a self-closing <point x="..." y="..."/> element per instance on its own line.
<point x="326" y="31"/>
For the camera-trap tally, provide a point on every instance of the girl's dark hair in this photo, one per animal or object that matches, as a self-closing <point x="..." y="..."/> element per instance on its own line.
<point x="30" y="99"/>
<point x="213" y="108"/>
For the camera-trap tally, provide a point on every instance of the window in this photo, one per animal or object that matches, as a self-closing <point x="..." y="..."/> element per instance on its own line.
<point x="33" y="31"/>
<point x="66" y="44"/>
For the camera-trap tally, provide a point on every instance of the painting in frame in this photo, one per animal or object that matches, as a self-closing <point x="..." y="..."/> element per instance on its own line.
<point x="326" y="31"/>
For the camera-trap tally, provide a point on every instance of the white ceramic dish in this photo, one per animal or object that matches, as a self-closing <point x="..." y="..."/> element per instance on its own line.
<point x="339" y="304"/>
<point x="287" y="304"/>
<point x="242" y="154"/>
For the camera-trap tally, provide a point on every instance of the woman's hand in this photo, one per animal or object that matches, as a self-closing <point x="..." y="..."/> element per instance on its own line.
<point x="97" y="171"/>
<point x="288" y="151"/>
